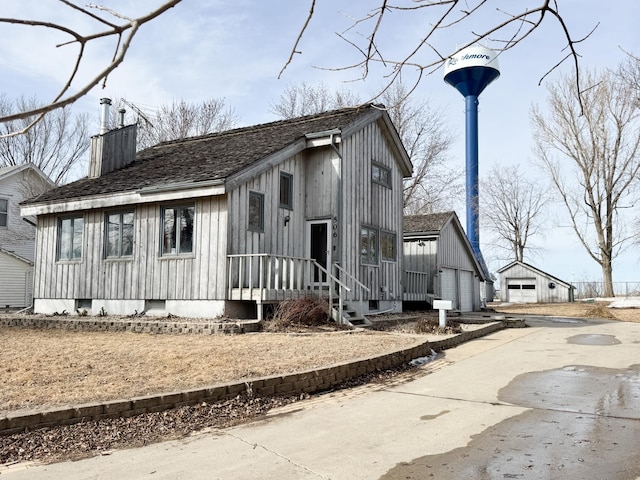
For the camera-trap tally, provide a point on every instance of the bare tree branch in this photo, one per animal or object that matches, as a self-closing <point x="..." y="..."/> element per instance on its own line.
<point x="130" y="26"/>
<point x="294" y="50"/>
<point x="427" y="54"/>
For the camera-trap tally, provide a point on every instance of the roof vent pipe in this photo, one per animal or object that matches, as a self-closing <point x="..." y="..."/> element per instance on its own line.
<point x="122" y="111"/>
<point x="104" y="115"/>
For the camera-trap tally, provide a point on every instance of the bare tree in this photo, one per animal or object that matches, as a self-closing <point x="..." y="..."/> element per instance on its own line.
<point x="629" y="73"/>
<point x="111" y="24"/>
<point x="179" y="119"/>
<point x="591" y="157"/>
<point x="434" y="186"/>
<point x="514" y="208"/>
<point x="427" y="52"/>
<point x="366" y="35"/>
<point x="307" y="99"/>
<point x="55" y="145"/>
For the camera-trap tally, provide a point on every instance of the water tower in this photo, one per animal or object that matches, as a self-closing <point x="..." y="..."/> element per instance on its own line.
<point x="470" y="71"/>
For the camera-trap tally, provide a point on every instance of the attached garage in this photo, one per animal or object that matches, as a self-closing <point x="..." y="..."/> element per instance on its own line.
<point x="439" y="263"/>
<point x="523" y="283"/>
<point x="521" y="290"/>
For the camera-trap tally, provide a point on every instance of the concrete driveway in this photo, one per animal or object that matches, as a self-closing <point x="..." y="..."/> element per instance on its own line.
<point x="560" y="399"/>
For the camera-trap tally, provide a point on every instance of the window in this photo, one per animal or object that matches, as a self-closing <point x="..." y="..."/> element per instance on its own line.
<point x="369" y="246"/>
<point x="381" y="175"/>
<point x="177" y="230"/>
<point x="4" y="212"/>
<point x="256" y="211"/>
<point x="286" y="190"/>
<point x="70" y="238"/>
<point x="119" y="242"/>
<point x="388" y="246"/>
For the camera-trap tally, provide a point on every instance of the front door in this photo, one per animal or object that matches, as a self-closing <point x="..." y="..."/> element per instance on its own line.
<point x="319" y="246"/>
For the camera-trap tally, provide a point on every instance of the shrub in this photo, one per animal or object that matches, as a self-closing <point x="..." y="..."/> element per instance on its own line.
<point x="305" y="312"/>
<point x="432" y="325"/>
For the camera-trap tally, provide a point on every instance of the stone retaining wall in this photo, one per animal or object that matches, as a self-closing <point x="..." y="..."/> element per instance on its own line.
<point x="309" y="381"/>
<point x="136" y="325"/>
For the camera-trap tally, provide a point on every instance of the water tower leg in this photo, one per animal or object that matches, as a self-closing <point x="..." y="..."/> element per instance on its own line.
<point x="471" y="104"/>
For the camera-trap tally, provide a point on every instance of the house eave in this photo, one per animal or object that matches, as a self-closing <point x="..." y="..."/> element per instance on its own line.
<point x="163" y="193"/>
<point x="16" y="256"/>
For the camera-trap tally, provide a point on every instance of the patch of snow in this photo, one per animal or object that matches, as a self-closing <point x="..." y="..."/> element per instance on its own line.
<point x="627" y="302"/>
<point x="418" y="362"/>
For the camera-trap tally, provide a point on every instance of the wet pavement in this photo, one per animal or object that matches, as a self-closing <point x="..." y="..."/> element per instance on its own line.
<point x="557" y="400"/>
<point x="584" y="423"/>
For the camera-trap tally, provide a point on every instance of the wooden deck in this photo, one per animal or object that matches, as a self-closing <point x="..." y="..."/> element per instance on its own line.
<point x="266" y="278"/>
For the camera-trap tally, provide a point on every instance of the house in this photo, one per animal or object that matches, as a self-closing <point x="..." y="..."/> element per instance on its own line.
<point x="223" y="223"/>
<point x="17" y="235"/>
<point x="440" y="263"/>
<point x="524" y="283"/>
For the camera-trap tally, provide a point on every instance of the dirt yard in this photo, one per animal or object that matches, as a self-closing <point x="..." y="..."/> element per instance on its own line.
<point x="574" y="309"/>
<point x="48" y="368"/>
<point x="53" y="367"/>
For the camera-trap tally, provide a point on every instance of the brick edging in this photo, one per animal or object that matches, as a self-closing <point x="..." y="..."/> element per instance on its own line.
<point x="142" y="324"/>
<point x="309" y="381"/>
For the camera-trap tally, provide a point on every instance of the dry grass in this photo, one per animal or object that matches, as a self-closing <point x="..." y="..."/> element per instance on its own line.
<point x="574" y="309"/>
<point x="52" y="367"/>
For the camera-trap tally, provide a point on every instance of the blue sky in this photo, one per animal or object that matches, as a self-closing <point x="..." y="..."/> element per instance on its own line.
<point x="235" y="50"/>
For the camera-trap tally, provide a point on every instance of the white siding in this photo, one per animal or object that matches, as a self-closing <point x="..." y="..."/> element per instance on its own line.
<point x="15" y="278"/>
<point x="17" y="237"/>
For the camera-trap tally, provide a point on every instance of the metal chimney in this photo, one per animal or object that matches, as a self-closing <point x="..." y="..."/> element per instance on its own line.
<point x="121" y="112"/>
<point x="469" y="72"/>
<point x="104" y="115"/>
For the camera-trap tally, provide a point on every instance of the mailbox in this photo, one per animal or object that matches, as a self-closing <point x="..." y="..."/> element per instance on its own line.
<point x="442" y="305"/>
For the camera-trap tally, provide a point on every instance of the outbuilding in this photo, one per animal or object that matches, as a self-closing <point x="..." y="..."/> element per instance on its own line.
<point x="524" y="283"/>
<point x="440" y="263"/>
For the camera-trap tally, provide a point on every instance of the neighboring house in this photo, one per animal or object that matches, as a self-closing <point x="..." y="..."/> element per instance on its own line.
<point x="217" y="224"/>
<point x="524" y="283"/>
<point x="17" y="234"/>
<point x="440" y="263"/>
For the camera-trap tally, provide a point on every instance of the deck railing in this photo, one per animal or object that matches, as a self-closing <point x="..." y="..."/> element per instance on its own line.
<point x="266" y="278"/>
<point x="416" y="286"/>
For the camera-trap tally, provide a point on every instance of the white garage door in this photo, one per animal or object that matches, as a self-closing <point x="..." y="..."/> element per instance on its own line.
<point x="448" y="286"/>
<point x="522" y="290"/>
<point x="466" y="291"/>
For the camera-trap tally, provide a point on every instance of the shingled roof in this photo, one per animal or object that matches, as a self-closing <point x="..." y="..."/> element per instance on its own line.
<point x="205" y="158"/>
<point x="430" y="223"/>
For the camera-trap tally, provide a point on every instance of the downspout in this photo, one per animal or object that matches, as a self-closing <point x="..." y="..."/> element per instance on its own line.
<point x="339" y="225"/>
<point x="340" y="176"/>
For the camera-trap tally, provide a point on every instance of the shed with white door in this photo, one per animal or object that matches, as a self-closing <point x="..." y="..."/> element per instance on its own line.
<point x="524" y="283"/>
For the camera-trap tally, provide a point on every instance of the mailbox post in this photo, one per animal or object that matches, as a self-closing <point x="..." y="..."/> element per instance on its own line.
<point x="442" y="306"/>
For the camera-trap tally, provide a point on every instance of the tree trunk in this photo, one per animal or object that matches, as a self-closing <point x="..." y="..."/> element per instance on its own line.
<point x="608" y="279"/>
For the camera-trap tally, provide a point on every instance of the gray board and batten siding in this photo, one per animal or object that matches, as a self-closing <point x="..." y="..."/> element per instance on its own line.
<point x="436" y="246"/>
<point x="328" y="158"/>
<point x="524" y="283"/>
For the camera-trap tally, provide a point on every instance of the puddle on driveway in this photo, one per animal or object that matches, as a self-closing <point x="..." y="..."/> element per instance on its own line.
<point x="584" y="423"/>
<point x="593" y="339"/>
